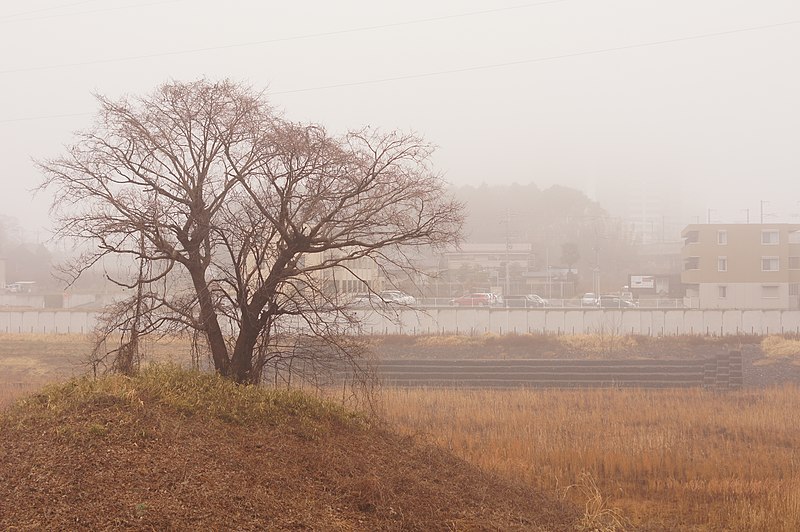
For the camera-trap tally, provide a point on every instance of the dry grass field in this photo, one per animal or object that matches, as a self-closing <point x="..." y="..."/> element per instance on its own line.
<point x="660" y="460"/>
<point x="650" y="459"/>
<point x="28" y="361"/>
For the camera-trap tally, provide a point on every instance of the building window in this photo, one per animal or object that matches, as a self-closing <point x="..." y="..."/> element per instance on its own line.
<point x="794" y="289"/>
<point x="770" y="264"/>
<point x="769" y="291"/>
<point x="794" y="237"/>
<point x="692" y="263"/>
<point x="723" y="291"/>
<point x="769" y="236"/>
<point x="794" y="263"/>
<point x="692" y="237"/>
<point x="722" y="237"/>
<point x="722" y="264"/>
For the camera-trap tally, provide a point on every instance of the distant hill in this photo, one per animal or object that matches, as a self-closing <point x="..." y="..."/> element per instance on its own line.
<point x="176" y="450"/>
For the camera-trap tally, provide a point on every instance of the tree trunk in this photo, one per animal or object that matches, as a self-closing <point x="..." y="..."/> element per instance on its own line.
<point x="242" y="359"/>
<point x="210" y="324"/>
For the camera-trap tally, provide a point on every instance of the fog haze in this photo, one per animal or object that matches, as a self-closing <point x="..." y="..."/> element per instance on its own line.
<point x="691" y="103"/>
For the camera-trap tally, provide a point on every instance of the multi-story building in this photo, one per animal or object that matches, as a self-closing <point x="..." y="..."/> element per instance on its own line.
<point x="353" y="276"/>
<point x="491" y="256"/>
<point x="505" y="264"/>
<point x="742" y="266"/>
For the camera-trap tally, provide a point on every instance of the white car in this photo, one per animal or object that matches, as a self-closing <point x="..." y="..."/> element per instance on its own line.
<point x="397" y="297"/>
<point x="535" y="300"/>
<point x="367" y="301"/>
<point x="589" y="299"/>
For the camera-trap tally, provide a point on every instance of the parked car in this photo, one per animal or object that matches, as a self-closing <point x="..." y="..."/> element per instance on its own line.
<point x="533" y="300"/>
<point x="476" y="299"/>
<point x="526" y="301"/>
<point x="609" y="301"/>
<point x="397" y="297"/>
<point x="367" y="301"/>
<point x="517" y="301"/>
<point x="589" y="299"/>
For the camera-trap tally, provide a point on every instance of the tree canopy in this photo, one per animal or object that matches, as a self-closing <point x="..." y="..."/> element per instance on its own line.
<point x="235" y="217"/>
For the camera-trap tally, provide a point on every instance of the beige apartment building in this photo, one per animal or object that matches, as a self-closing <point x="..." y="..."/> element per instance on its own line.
<point x="741" y="266"/>
<point x="355" y="276"/>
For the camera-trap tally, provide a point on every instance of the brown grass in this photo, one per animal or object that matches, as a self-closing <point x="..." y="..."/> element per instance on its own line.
<point x="604" y="344"/>
<point x="28" y="361"/>
<point x="776" y="346"/>
<point x="177" y="450"/>
<point x="687" y="459"/>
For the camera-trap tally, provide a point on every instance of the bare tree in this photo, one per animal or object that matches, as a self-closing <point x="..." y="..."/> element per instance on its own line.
<point x="236" y="217"/>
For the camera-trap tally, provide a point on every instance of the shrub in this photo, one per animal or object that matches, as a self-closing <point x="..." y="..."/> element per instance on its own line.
<point x="775" y="346"/>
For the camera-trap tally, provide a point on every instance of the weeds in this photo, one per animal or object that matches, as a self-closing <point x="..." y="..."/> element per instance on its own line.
<point x="191" y="394"/>
<point x="598" y="514"/>
<point x="775" y="346"/>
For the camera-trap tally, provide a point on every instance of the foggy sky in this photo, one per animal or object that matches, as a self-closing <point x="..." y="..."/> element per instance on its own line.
<point x="713" y="122"/>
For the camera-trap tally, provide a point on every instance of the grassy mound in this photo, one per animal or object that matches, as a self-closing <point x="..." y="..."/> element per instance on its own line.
<point x="172" y="449"/>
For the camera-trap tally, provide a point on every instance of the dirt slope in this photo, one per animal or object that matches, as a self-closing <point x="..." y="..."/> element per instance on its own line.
<point x="159" y="452"/>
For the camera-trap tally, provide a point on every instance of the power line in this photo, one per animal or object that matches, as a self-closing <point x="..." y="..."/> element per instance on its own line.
<point x="74" y="13"/>
<point x="541" y="59"/>
<point x="279" y="39"/>
<point x="484" y="67"/>
<point x="42" y="117"/>
<point x="62" y="6"/>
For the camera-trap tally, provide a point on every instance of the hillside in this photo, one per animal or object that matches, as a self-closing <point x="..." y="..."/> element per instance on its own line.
<point x="177" y="450"/>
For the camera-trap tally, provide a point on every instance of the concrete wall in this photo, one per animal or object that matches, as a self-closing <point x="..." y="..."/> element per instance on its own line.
<point x="46" y="321"/>
<point x="500" y="321"/>
<point x="745" y="296"/>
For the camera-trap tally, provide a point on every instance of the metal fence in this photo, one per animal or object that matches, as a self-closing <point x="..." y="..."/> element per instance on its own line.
<point x="660" y="303"/>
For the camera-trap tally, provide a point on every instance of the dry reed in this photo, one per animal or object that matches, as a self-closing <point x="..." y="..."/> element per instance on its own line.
<point x="668" y="459"/>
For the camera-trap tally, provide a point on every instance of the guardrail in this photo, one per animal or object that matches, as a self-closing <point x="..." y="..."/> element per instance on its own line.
<point x="661" y="303"/>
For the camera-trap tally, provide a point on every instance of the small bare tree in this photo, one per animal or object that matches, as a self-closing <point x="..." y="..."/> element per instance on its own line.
<point x="235" y="218"/>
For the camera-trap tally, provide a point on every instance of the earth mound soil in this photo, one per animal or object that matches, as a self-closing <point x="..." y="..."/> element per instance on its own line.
<point x="172" y="450"/>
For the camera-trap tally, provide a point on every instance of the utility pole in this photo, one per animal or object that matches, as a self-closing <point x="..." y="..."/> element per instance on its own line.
<point x="507" y="222"/>
<point x="596" y="271"/>
<point x="549" y="278"/>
